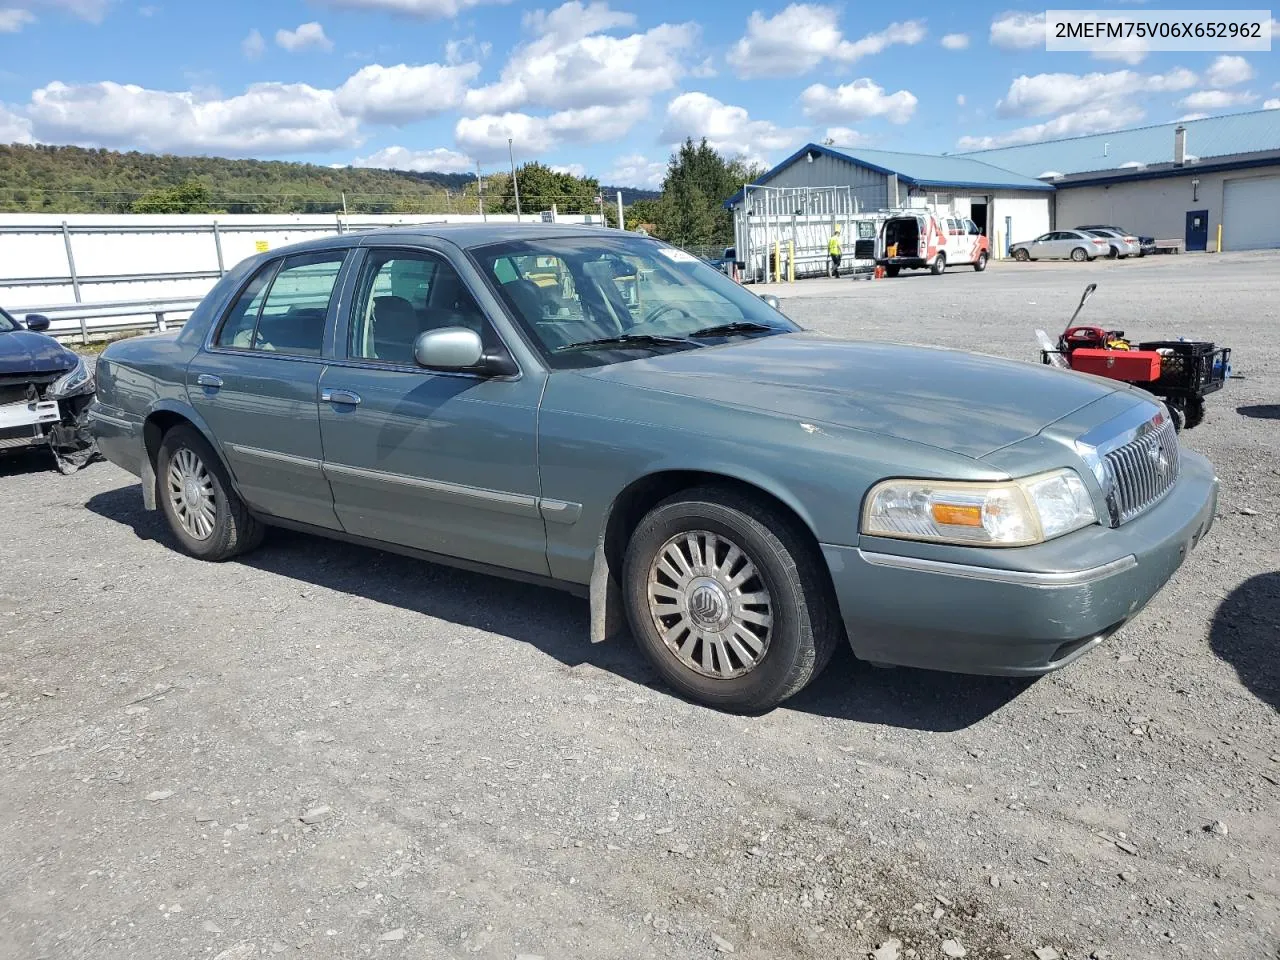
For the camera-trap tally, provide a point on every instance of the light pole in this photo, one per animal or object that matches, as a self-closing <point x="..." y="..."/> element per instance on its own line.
<point x="515" y="184"/>
<point x="480" y="190"/>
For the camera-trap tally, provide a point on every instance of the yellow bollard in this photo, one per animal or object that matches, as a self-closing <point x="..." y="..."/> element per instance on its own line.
<point x="1219" y="238"/>
<point x="791" y="261"/>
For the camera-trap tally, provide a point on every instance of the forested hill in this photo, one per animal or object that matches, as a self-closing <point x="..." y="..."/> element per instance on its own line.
<point x="79" y="180"/>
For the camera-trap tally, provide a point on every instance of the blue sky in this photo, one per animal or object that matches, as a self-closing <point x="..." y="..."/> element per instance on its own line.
<point x="601" y="87"/>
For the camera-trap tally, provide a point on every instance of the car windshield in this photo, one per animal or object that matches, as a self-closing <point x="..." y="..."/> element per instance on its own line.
<point x="7" y="323"/>
<point x="591" y="300"/>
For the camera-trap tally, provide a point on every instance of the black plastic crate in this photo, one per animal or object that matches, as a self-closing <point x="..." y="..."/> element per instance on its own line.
<point x="1196" y="367"/>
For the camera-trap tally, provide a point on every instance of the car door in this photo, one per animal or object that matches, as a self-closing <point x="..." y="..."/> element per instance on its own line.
<point x="255" y="384"/>
<point x="1057" y="245"/>
<point x="441" y="462"/>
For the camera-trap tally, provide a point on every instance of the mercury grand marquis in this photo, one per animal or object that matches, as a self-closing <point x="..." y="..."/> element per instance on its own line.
<point x="607" y="414"/>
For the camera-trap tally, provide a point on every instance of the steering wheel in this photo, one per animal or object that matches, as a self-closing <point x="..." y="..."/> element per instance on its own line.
<point x="662" y="315"/>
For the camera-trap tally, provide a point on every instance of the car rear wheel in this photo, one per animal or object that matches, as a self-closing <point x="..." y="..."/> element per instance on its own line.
<point x="1080" y="255"/>
<point x="728" y="601"/>
<point x="205" y="514"/>
<point x="981" y="263"/>
<point x="939" y="264"/>
<point x="892" y="271"/>
<point x="1022" y="256"/>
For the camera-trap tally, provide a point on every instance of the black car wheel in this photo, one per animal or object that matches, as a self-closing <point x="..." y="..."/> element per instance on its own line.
<point x="206" y="515"/>
<point x="892" y="271"/>
<point x="728" y="600"/>
<point x="1022" y="256"/>
<point x="981" y="263"/>
<point x="1080" y="255"/>
<point x="939" y="264"/>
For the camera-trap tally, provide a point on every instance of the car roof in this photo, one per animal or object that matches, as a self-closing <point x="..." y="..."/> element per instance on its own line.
<point x="464" y="235"/>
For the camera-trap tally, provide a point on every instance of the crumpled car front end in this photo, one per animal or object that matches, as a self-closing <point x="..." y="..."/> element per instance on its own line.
<point x="49" y="408"/>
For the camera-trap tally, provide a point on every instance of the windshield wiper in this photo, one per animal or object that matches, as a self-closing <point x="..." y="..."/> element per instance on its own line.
<point x="728" y="329"/>
<point x="628" y="340"/>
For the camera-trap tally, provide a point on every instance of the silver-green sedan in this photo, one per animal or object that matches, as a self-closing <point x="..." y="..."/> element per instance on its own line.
<point x="604" y="413"/>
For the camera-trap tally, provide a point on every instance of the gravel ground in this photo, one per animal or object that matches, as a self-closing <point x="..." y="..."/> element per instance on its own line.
<point x="324" y="751"/>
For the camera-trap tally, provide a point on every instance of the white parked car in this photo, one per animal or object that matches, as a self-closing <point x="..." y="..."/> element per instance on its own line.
<point x="1119" y="245"/>
<point x="1061" y="245"/>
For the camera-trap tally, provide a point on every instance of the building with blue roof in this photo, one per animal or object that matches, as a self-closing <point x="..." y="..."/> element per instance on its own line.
<point x="1201" y="182"/>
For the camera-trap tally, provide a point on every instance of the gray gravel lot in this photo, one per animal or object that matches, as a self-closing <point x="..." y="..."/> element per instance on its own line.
<point x="325" y="751"/>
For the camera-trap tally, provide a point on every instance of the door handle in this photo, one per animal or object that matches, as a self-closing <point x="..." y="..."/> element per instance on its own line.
<point x="209" y="380"/>
<point x="339" y="396"/>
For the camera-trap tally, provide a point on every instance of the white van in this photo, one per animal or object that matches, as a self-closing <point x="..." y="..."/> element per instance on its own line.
<point x="925" y="241"/>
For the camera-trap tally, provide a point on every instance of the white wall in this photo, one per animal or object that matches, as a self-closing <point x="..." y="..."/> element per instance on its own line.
<point x="44" y="255"/>
<point x="1156" y="208"/>
<point x="1029" y="212"/>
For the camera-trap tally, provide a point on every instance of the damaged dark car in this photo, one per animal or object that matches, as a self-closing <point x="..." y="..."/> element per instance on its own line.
<point x="45" y="392"/>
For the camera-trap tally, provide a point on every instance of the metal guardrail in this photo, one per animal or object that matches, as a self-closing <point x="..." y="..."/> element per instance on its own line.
<point x="120" y="316"/>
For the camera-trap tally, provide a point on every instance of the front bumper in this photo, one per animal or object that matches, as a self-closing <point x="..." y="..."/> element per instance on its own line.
<point x="1074" y="593"/>
<point x="25" y="424"/>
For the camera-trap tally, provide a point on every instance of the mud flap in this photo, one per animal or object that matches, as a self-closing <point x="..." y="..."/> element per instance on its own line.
<point x="608" y="620"/>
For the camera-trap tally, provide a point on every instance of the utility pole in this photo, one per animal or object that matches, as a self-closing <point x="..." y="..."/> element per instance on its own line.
<point x="480" y="188"/>
<point x="515" y="184"/>
<point x="621" y="223"/>
<point x="344" y="203"/>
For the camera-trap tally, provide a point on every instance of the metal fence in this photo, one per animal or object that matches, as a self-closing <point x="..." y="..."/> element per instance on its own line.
<point x="84" y="321"/>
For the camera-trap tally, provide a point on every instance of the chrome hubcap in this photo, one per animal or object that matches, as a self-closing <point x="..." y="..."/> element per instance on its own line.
<point x="191" y="494"/>
<point x="710" y="604"/>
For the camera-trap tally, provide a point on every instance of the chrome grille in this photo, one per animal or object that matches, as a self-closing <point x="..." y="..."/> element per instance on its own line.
<point x="1142" y="471"/>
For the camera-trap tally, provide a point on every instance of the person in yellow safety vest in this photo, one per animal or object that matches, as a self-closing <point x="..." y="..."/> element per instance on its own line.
<point x="833" y="253"/>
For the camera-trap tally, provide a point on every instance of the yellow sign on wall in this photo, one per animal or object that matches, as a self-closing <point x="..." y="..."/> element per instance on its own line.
<point x="261" y="246"/>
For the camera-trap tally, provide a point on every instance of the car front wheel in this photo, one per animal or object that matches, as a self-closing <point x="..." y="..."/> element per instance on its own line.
<point x="728" y="600"/>
<point x="981" y="263"/>
<point x="1022" y="256"/>
<point x="205" y="514"/>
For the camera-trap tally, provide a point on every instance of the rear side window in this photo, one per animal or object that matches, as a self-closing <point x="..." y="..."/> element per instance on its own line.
<point x="284" y="310"/>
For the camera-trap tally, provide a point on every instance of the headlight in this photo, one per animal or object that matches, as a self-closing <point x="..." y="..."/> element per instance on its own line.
<point x="1013" y="513"/>
<point x="76" y="381"/>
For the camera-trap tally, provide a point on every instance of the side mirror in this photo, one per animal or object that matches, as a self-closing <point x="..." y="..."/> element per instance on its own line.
<point x="448" y="348"/>
<point x="37" y="322"/>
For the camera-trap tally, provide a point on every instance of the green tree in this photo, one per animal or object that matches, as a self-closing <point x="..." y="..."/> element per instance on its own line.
<point x="642" y="211"/>
<point x="541" y="188"/>
<point x="699" y="179"/>
<point x="190" y="196"/>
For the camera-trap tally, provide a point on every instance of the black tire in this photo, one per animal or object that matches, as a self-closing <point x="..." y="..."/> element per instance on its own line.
<point x="1080" y="255"/>
<point x="1022" y="256"/>
<point x="939" y="264"/>
<point x="892" y="271"/>
<point x="805" y="628"/>
<point x="1113" y="253"/>
<point x="981" y="263"/>
<point x="233" y="530"/>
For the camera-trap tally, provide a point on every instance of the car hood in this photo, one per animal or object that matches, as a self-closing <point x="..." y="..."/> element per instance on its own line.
<point x="22" y="351"/>
<point x="966" y="403"/>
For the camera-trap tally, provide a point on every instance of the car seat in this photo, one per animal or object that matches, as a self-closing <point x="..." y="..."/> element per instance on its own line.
<point x="395" y="329"/>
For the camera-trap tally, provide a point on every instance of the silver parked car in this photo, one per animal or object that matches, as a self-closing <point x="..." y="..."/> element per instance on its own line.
<point x="606" y="414"/>
<point x="1061" y="245"/>
<point x="1119" y="246"/>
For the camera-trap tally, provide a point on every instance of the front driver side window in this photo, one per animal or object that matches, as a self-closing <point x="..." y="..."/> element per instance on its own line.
<point x="404" y="293"/>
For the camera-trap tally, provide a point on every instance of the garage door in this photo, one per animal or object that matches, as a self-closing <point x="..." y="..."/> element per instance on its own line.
<point x="1251" y="213"/>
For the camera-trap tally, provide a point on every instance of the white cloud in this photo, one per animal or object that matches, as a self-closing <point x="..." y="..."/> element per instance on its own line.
<point x="467" y="49"/>
<point x="91" y="10"/>
<point x="268" y="118"/>
<point x="1099" y="119"/>
<point x="1192" y="116"/>
<point x="636" y="170"/>
<point x="727" y="128"/>
<point x="253" y="46"/>
<point x="308" y="36"/>
<point x="571" y="64"/>
<point x="11" y="21"/>
<point x="858" y="100"/>
<point x="844" y="136"/>
<point x="404" y="93"/>
<point x="439" y="160"/>
<point x="424" y="9"/>
<point x="705" y="70"/>
<point x="1273" y="104"/>
<point x="960" y="100"/>
<point x="14" y="128"/>
<point x="956" y="41"/>
<point x="486" y="136"/>
<point x="1211" y="100"/>
<point x="1017" y="31"/>
<point x="1227" y="71"/>
<point x="573" y="169"/>
<point x="1048" y="93"/>
<point x="1130" y="50"/>
<point x="803" y="35"/>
